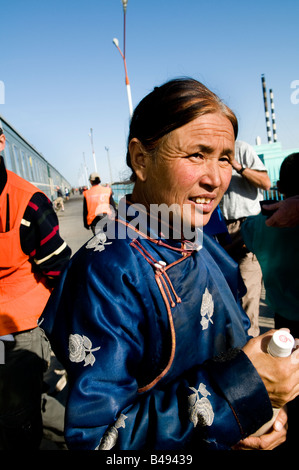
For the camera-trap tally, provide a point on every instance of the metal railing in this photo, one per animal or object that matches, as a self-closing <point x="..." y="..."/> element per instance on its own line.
<point x="273" y="194"/>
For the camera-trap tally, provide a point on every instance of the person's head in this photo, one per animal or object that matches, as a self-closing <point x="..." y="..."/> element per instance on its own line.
<point x="180" y="147"/>
<point x="288" y="183"/>
<point x="94" y="178"/>
<point x="2" y="139"/>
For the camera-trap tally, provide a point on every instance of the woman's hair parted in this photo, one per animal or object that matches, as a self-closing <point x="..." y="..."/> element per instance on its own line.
<point x="169" y="107"/>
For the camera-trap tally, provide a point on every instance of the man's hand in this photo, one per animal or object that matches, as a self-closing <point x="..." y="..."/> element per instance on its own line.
<point x="286" y="213"/>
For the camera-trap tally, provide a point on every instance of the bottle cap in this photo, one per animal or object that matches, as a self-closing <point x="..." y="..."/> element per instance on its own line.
<point x="281" y="344"/>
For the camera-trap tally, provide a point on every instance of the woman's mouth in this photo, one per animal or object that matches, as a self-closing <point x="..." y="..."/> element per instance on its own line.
<point x="201" y="200"/>
<point x="206" y="203"/>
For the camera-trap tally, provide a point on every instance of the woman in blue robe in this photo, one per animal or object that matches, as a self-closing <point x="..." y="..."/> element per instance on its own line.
<point x="147" y="319"/>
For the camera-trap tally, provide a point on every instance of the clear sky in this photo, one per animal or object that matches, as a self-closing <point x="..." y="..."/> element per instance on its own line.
<point x="63" y="75"/>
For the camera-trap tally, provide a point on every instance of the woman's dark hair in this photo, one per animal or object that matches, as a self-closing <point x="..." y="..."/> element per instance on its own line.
<point x="169" y="107"/>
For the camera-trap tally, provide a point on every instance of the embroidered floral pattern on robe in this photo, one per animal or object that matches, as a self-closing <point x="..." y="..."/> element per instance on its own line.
<point x="98" y="242"/>
<point x="207" y="309"/>
<point x="110" y="437"/>
<point x="80" y="349"/>
<point x="200" y="409"/>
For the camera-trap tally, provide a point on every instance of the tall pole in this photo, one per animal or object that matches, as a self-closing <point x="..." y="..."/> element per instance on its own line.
<point x="273" y="116"/>
<point x="108" y="157"/>
<point x="85" y="169"/>
<point x="125" y="3"/>
<point x="268" y="127"/>
<point x="92" y="149"/>
<point x="123" y="55"/>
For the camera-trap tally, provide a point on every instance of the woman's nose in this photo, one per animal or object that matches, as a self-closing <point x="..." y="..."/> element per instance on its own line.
<point x="211" y="175"/>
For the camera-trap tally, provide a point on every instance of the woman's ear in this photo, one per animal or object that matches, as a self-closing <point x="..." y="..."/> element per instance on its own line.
<point x="139" y="159"/>
<point x="2" y="142"/>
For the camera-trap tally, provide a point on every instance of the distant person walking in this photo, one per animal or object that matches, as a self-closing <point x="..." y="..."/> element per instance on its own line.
<point x="98" y="201"/>
<point x="32" y="256"/>
<point x="59" y="203"/>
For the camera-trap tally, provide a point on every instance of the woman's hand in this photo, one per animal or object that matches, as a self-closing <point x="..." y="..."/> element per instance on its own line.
<point x="279" y="374"/>
<point x="268" y="441"/>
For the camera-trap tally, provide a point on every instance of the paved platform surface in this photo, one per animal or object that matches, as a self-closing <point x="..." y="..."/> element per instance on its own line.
<point x="71" y="225"/>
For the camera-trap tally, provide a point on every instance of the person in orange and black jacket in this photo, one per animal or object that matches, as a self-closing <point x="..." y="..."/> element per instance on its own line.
<point x="98" y="202"/>
<point x="32" y="257"/>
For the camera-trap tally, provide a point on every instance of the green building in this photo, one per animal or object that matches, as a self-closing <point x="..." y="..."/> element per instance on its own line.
<point x="272" y="155"/>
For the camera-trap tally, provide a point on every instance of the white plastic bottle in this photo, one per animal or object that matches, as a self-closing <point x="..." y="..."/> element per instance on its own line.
<point x="280" y="345"/>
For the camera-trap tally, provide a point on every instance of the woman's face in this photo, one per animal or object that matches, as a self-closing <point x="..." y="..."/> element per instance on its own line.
<point x="192" y="169"/>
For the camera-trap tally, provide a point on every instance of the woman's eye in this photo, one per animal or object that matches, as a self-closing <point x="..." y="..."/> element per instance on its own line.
<point x="225" y="160"/>
<point x="196" y="156"/>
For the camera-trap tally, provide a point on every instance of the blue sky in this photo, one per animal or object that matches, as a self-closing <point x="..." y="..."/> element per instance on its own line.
<point x="63" y="75"/>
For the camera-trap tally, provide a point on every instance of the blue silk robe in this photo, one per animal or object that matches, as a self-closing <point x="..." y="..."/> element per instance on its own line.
<point x="149" y="331"/>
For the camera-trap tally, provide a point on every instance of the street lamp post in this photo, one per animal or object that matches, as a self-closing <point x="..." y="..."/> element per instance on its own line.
<point x="108" y="157"/>
<point x="85" y="169"/>
<point x="93" y="154"/>
<point x="123" y="55"/>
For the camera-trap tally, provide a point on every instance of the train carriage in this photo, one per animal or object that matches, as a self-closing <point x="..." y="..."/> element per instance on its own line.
<point x="24" y="160"/>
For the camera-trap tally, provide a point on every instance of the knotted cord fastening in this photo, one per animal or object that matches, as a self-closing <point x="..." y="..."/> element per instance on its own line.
<point x="160" y="272"/>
